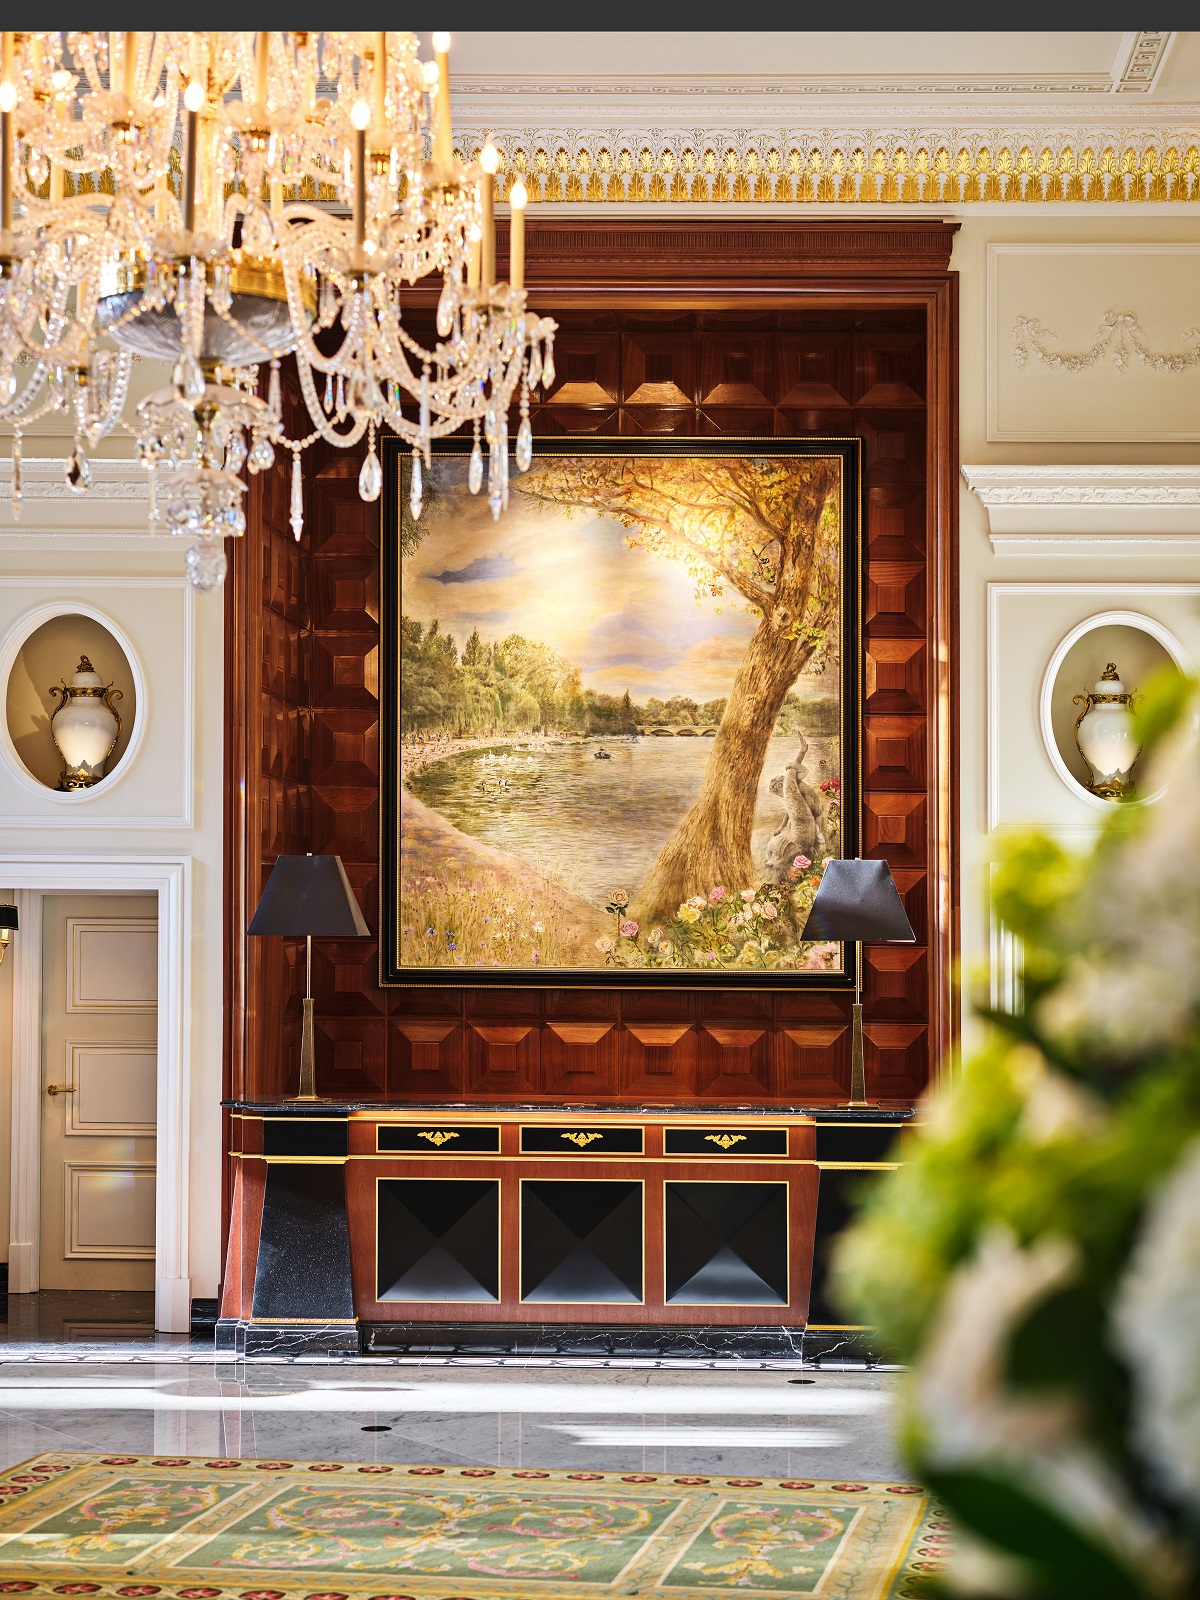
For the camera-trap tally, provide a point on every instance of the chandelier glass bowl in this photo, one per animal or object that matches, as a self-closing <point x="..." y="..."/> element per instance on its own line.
<point x="218" y="201"/>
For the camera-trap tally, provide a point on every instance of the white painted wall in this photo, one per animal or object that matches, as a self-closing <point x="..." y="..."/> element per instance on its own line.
<point x="164" y="802"/>
<point x="1007" y="630"/>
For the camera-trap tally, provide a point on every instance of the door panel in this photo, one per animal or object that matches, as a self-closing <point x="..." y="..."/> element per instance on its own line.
<point x="99" y="1055"/>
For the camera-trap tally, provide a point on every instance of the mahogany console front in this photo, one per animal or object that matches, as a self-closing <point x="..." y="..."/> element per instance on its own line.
<point x="550" y="1229"/>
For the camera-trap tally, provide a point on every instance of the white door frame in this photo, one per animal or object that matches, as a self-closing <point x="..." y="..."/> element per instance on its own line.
<point x="170" y="878"/>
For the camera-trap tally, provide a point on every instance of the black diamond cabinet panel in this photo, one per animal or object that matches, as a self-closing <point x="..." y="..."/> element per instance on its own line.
<point x="581" y="1241"/>
<point x="438" y="1239"/>
<point x="726" y="1244"/>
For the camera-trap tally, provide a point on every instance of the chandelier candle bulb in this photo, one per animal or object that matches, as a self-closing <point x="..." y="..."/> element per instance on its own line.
<point x="489" y="160"/>
<point x="262" y="57"/>
<point x="360" y="115"/>
<point x="193" y="99"/>
<point x="443" y="145"/>
<point x="379" y="84"/>
<point x="8" y="101"/>
<point x="473" y="263"/>
<point x="517" y="198"/>
<point x="129" y="65"/>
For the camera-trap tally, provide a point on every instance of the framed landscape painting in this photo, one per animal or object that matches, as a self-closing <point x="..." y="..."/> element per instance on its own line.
<point x="620" y="721"/>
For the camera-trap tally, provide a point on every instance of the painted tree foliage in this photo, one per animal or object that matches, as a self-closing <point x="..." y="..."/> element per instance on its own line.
<point x="769" y="531"/>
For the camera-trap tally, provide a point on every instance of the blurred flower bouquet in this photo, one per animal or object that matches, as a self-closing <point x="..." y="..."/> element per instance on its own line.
<point x="1036" y="1261"/>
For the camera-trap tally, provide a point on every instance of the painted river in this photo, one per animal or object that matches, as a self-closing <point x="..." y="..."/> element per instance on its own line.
<point x="589" y="824"/>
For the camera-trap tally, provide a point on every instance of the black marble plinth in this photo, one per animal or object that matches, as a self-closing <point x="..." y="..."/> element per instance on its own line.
<point x="239" y="1336"/>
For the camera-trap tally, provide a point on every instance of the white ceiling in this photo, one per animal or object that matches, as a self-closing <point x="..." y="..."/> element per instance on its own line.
<point x="811" y="70"/>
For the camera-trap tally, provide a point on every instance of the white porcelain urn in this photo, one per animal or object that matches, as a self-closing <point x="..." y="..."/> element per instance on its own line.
<point x="85" y="726"/>
<point x="1106" y="734"/>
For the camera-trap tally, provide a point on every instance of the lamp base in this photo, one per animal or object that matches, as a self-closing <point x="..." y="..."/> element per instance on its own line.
<point x="858" y="1075"/>
<point x="307" y="1092"/>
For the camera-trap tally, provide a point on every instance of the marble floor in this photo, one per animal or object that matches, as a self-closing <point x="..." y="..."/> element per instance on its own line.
<point x="638" y="1419"/>
<point x="69" y="1385"/>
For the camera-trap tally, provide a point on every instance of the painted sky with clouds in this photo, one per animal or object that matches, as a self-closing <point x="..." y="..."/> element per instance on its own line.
<point x="628" y="618"/>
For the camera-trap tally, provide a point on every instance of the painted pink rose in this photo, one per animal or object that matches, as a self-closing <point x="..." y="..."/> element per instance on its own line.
<point x="748" y="895"/>
<point x="629" y="929"/>
<point x="768" y="911"/>
<point x="802" y="863"/>
<point x="716" y="895"/>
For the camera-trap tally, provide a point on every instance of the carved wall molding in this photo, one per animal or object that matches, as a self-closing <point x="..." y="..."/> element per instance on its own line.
<point x="965" y="161"/>
<point x="1120" y="336"/>
<point x="115" y="508"/>
<point x="1051" y="509"/>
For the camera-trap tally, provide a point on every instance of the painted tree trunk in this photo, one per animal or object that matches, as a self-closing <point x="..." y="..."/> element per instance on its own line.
<point x="712" y="844"/>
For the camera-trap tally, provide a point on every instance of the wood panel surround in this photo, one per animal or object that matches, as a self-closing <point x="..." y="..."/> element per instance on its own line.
<point x="779" y="329"/>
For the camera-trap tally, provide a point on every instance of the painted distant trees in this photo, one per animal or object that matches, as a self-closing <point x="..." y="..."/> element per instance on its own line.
<point x="769" y="530"/>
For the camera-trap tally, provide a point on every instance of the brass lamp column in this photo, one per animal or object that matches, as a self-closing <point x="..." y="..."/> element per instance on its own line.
<point x="308" y="897"/>
<point x="858" y="900"/>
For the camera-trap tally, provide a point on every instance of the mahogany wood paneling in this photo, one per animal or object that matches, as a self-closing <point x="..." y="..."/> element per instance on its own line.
<point x="779" y="328"/>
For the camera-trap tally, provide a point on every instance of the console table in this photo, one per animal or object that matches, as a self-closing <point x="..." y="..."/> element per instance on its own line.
<point x="577" y="1228"/>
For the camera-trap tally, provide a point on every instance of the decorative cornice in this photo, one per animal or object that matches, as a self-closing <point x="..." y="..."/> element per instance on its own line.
<point x="1050" y="509"/>
<point x="116" y="506"/>
<point x="876" y="162"/>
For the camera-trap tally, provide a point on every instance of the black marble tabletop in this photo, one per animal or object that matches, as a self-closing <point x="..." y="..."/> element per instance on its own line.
<point x="888" y="1111"/>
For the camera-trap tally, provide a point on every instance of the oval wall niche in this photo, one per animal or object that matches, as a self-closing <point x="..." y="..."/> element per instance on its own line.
<point x="49" y="656"/>
<point x="1140" y="647"/>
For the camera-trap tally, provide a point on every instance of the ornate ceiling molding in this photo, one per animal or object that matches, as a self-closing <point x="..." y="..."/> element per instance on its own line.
<point x="115" y="507"/>
<point x="1049" y="510"/>
<point x="1100" y="161"/>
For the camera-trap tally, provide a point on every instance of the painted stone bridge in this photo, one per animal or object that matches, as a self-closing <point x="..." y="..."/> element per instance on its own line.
<point x="682" y="730"/>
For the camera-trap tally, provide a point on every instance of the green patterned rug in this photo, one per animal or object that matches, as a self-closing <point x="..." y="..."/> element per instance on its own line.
<point x="191" y="1529"/>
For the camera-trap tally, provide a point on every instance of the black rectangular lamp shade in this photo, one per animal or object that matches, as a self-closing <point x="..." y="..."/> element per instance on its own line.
<point x="858" y="900"/>
<point x="309" y="897"/>
<point x="8" y="917"/>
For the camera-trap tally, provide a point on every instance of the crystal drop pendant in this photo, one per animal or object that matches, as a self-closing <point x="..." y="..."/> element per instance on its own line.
<point x="445" y="311"/>
<point x="297" y="506"/>
<point x="329" y="391"/>
<point x="524" y="445"/>
<point x="188" y="378"/>
<point x="79" y="471"/>
<point x="535" y="365"/>
<point x="370" y="479"/>
<point x="416" y="489"/>
<point x="206" y="565"/>
<point x="548" y="366"/>
<point x="274" y="395"/>
<point x="475" y="469"/>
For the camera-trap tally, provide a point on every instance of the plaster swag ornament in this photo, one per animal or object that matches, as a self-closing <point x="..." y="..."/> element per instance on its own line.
<point x="1120" y="336"/>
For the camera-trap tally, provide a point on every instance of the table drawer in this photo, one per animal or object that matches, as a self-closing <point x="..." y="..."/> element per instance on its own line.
<point x="438" y="1139"/>
<point x="581" y="1139"/>
<point x="718" y="1140"/>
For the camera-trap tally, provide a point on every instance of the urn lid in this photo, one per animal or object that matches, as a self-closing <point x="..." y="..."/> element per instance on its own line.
<point x="1110" y="681"/>
<point x="86" y="676"/>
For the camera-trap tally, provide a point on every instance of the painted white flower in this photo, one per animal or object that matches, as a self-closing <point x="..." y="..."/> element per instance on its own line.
<point x="1156" y="1318"/>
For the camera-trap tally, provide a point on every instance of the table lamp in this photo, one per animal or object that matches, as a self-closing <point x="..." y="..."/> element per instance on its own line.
<point x="8" y="926"/>
<point x="308" y="897"/>
<point x="858" y="900"/>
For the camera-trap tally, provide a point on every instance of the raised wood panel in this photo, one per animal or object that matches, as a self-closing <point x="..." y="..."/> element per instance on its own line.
<point x="834" y="327"/>
<point x="895" y="981"/>
<point x="896" y="1058"/>
<point x="813" y="1061"/>
<point x="503" y="1059"/>
<point x="894" y="752"/>
<point x="894" y="827"/>
<point x="425" y="1059"/>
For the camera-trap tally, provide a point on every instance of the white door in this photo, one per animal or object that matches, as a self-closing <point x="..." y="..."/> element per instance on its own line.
<point x="99" y="1090"/>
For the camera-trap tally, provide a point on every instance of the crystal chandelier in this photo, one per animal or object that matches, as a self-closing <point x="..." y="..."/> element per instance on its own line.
<point x="101" y="261"/>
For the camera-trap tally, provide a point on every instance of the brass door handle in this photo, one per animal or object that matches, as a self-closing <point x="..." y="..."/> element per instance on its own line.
<point x="60" y="1088"/>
